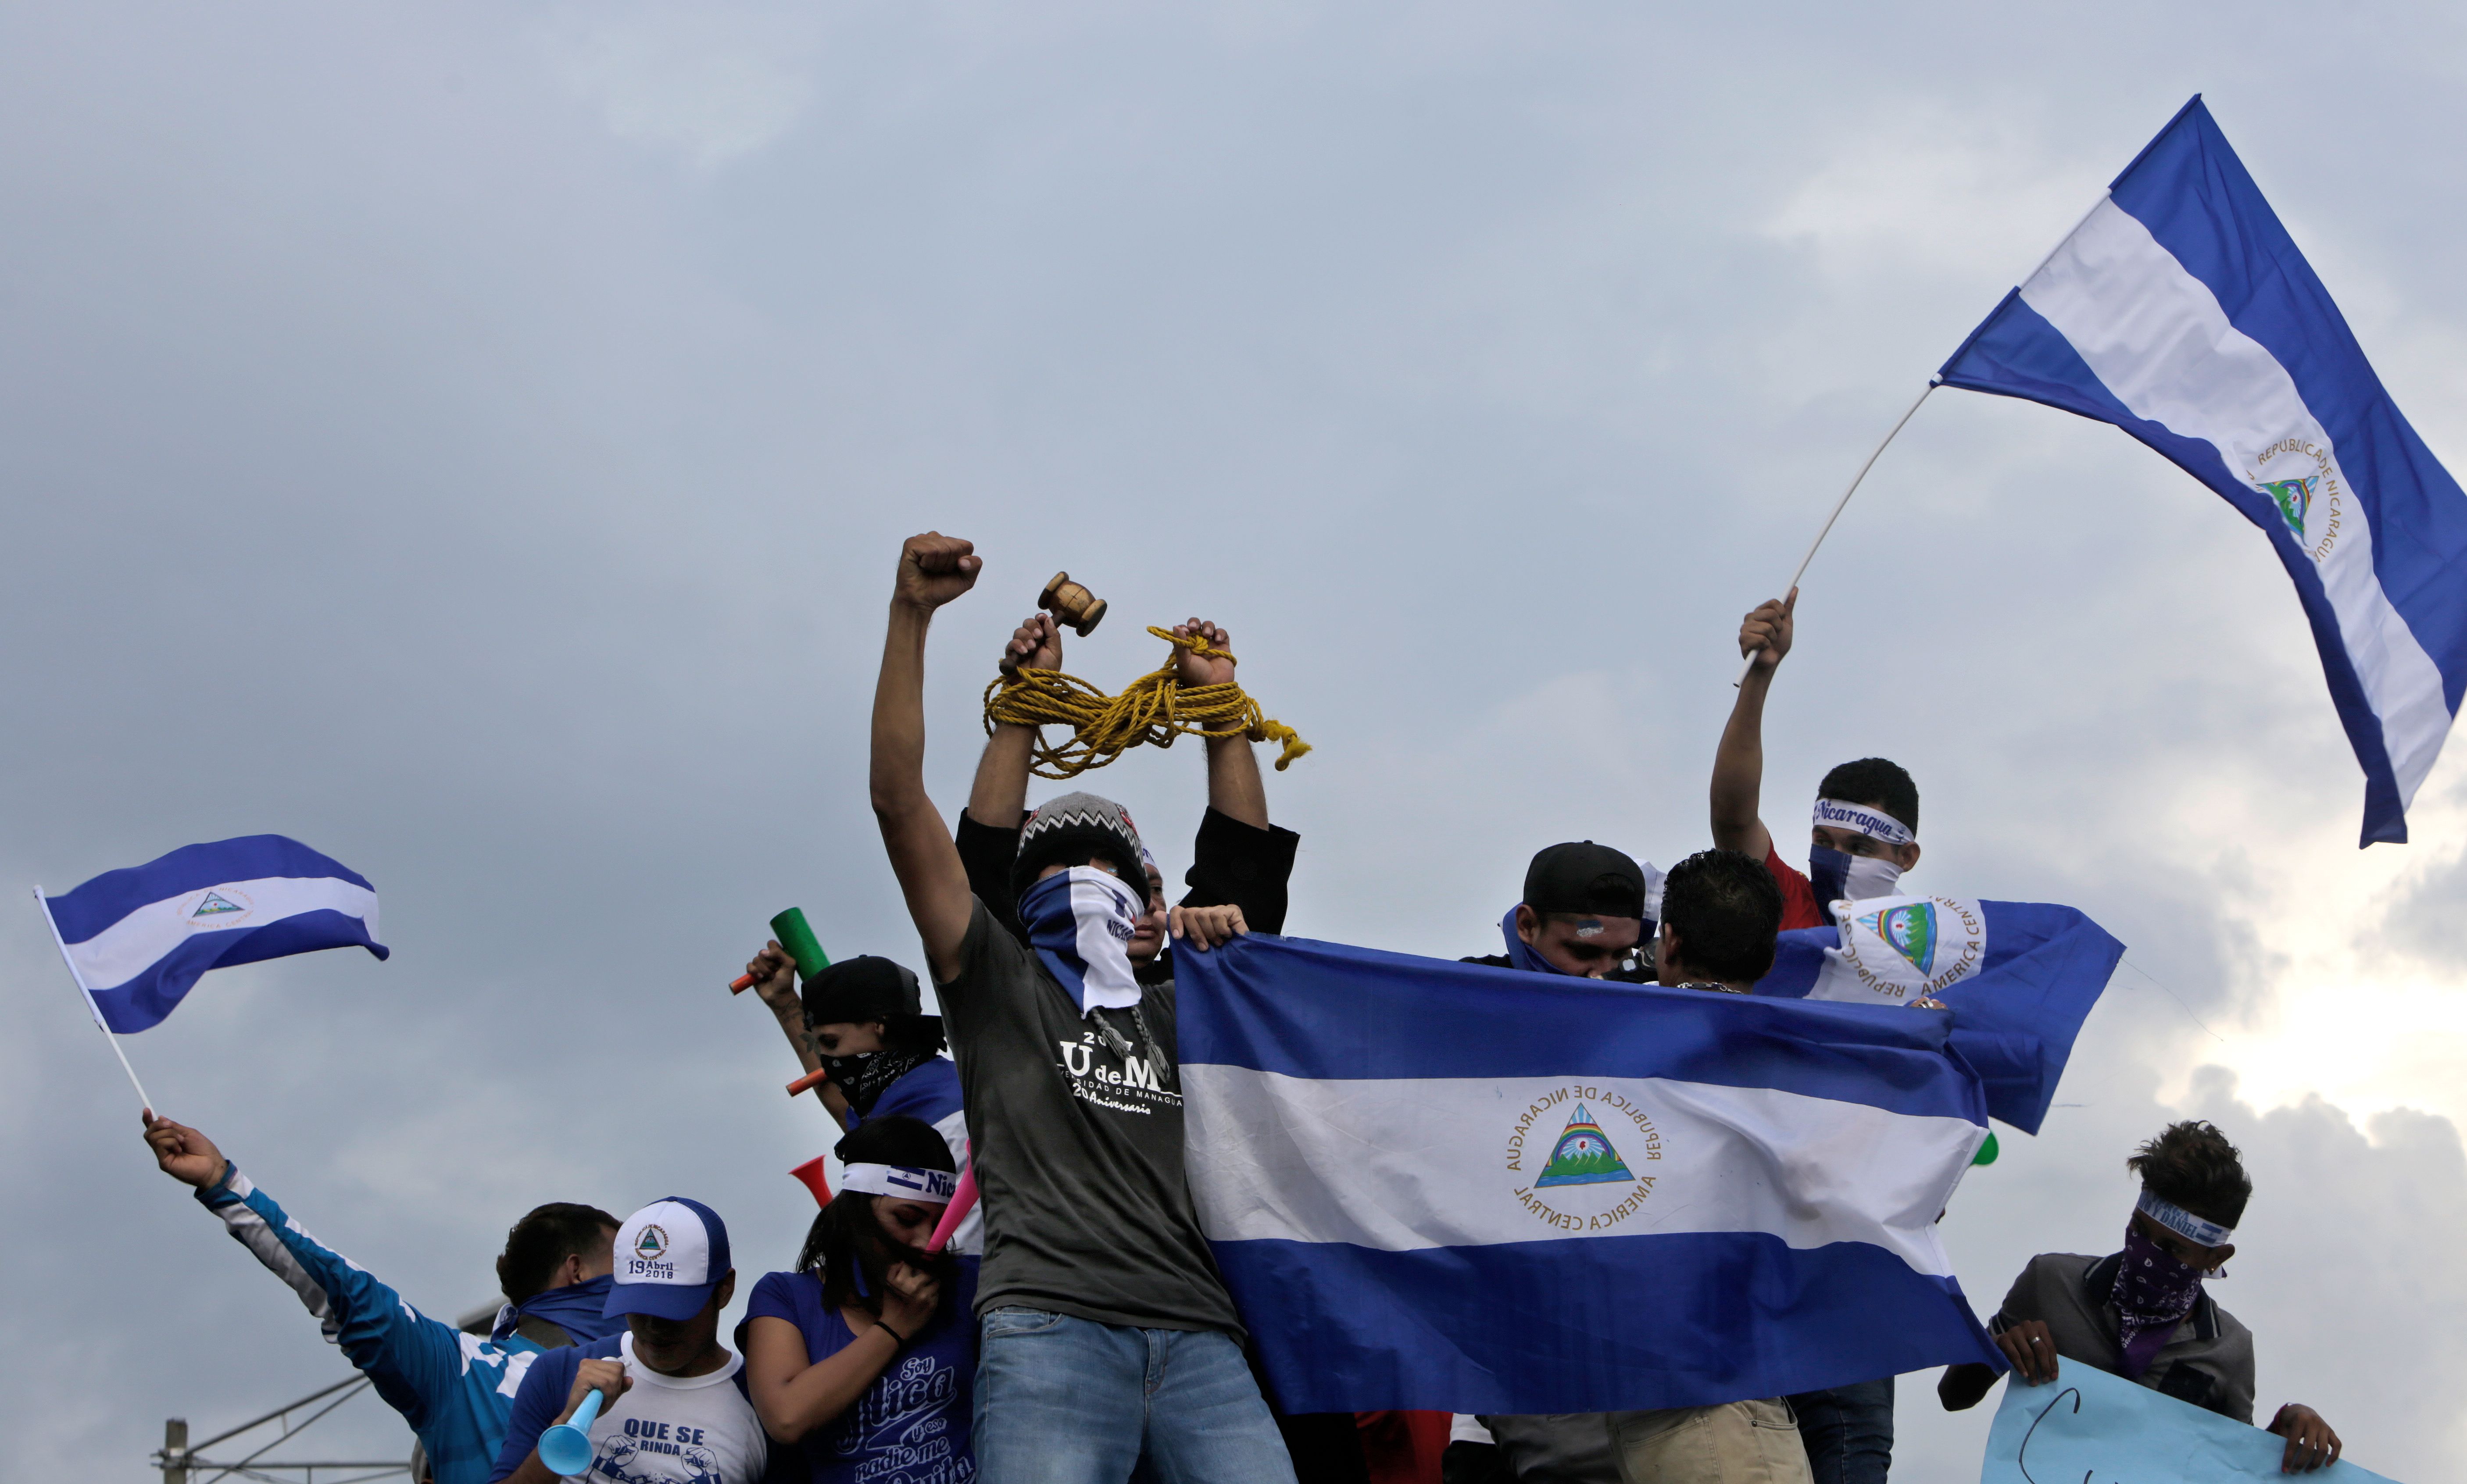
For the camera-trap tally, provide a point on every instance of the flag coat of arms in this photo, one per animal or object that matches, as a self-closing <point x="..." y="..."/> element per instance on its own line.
<point x="2020" y="978"/>
<point x="1450" y="1187"/>
<point x="2181" y="312"/>
<point x="138" y="939"/>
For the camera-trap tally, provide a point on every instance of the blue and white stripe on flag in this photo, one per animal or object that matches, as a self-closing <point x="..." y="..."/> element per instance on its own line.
<point x="138" y="938"/>
<point x="2181" y="312"/>
<point x="2019" y="977"/>
<point x="1447" y="1187"/>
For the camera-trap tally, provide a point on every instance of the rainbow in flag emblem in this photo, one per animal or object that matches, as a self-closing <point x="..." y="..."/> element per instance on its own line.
<point x="1908" y="930"/>
<point x="2294" y="497"/>
<point x="1583" y="1155"/>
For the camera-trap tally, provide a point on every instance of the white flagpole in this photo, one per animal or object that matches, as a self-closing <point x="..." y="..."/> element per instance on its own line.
<point x="92" y="1008"/>
<point x="1749" y="663"/>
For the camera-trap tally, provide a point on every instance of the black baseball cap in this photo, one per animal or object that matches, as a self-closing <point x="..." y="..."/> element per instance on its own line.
<point x="1580" y="876"/>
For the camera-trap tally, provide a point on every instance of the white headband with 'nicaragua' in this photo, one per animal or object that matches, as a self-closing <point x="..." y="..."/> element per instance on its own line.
<point x="2183" y="1223"/>
<point x="1834" y="814"/>
<point x="900" y="1180"/>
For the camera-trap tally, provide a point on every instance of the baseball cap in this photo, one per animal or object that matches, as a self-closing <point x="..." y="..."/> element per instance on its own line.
<point x="1584" y="877"/>
<point x="670" y="1255"/>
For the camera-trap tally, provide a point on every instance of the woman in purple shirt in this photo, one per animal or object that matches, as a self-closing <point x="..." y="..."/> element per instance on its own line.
<point x="862" y="1356"/>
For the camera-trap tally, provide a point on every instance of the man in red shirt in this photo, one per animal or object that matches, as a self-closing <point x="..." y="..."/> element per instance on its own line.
<point x="1862" y="836"/>
<point x="1864" y="831"/>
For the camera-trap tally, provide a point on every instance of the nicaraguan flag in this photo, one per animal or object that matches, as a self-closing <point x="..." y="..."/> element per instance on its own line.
<point x="2181" y="312"/>
<point x="2020" y="978"/>
<point x="139" y="937"/>
<point x="1448" y="1187"/>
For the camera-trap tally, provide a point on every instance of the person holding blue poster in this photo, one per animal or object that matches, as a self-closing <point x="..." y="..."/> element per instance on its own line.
<point x="2142" y="1313"/>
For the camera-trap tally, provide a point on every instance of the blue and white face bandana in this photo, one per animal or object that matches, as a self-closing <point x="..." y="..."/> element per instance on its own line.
<point x="905" y="1181"/>
<point x="1080" y="923"/>
<point x="1522" y="953"/>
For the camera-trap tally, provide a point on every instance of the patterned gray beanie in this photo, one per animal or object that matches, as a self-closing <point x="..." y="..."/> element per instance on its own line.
<point x="1069" y="829"/>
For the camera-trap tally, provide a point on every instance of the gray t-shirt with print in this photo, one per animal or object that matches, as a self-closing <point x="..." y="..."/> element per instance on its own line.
<point x="1077" y="1148"/>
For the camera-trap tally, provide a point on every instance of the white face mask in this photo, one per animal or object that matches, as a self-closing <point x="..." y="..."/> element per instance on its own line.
<point x="1838" y="876"/>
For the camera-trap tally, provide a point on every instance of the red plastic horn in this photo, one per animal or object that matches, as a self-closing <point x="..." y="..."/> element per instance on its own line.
<point x="811" y="1175"/>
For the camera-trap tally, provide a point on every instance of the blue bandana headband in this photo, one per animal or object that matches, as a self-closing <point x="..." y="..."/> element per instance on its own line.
<point x="903" y="1181"/>
<point x="2183" y="1223"/>
<point x="1875" y="823"/>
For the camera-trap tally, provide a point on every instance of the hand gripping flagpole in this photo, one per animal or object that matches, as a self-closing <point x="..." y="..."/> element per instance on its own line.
<point x="92" y="1008"/>
<point x="1749" y="663"/>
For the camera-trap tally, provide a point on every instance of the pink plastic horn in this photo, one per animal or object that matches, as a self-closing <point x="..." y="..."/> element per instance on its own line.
<point x="963" y="1200"/>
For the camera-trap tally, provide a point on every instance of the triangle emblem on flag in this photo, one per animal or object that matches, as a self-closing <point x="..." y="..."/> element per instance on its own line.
<point x="1583" y="1155"/>
<point x="216" y="905"/>
<point x="1908" y="930"/>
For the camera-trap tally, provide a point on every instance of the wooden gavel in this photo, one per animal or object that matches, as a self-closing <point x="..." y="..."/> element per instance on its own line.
<point x="1070" y="604"/>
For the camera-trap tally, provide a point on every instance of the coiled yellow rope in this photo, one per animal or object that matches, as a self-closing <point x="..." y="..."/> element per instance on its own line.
<point x="1155" y="709"/>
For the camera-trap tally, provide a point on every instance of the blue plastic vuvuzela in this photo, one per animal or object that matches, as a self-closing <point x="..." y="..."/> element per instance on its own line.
<point x="566" y="1448"/>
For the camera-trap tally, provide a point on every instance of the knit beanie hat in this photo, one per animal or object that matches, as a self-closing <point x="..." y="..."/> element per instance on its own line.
<point x="1072" y="828"/>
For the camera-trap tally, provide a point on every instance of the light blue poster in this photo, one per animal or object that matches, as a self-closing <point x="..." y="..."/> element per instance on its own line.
<point x="2086" y="1426"/>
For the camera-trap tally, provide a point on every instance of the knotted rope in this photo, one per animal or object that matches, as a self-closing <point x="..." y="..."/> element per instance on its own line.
<point x="1154" y="708"/>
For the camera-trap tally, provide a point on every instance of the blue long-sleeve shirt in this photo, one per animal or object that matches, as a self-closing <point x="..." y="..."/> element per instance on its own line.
<point x="454" y="1389"/>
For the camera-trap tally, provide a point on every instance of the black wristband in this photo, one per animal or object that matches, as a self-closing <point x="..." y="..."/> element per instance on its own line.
<point x="896" y="1337"/>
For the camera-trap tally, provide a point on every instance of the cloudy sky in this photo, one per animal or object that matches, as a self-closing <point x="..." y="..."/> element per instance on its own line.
<point x="474" y="439"/>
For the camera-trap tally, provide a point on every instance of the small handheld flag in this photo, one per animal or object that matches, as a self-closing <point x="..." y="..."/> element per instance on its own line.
<point x="137" y="940"/>
<point x="2181" y="312"/>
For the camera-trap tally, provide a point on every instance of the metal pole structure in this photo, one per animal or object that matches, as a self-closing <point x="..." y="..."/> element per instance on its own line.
<point x="143" y="1101"/>
<point x="175" y="1451"/>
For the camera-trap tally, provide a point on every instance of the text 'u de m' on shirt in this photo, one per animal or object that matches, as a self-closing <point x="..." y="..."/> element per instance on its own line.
<point x="1077" y="1147"/>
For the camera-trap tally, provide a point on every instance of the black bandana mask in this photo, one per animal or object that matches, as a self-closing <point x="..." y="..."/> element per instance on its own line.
<point x="863" y="1077"/>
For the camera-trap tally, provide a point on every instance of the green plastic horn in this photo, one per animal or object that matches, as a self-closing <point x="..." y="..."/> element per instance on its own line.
<point x="798" y="938"/>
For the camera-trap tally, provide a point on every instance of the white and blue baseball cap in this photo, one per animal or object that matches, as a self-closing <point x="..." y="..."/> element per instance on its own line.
<point x="670" y="1255"/>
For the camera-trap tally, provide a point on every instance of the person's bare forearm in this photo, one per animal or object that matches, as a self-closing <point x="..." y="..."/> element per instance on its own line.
<point x="999" y="797"/>
<point x="1234" y="785"/>
<point x="921" y="853"/>
<point x="895" y="775"/>
<point x="820" y="1392"/>
<point x="1739" y="769"/>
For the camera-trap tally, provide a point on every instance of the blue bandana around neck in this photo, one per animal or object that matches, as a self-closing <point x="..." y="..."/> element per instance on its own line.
<point x="1080" y="923"/>
<point x="574" y="1309"/>
<point x="1519" y="953"/>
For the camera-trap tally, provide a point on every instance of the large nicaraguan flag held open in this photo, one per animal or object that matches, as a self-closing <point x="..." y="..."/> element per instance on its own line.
<point x="139" y="939"/>
<point x="2181" y="312"/>
<point x="1448" y="1187"/>
<point x="2020" y="978"/>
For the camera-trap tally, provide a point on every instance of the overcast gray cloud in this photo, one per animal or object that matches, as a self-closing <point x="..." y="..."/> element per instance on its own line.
<point x="474" y="439"/>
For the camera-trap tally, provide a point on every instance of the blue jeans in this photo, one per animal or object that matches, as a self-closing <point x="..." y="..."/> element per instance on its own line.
<point x="1848" y="1431"/>
<point x="1065" y="1401"/>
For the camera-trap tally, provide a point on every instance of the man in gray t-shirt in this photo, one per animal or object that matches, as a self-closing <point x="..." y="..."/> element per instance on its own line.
<point x="1106" y="1333"/>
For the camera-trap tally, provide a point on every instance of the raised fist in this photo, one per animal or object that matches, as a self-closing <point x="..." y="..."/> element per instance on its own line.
<point x="935" y="568"/>
<point x="1190" y="667"/>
